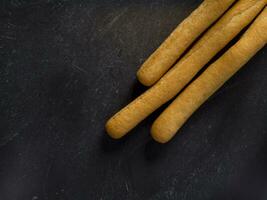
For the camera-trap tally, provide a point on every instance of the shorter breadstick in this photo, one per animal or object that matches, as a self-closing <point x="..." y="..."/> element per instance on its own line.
<point x="180" y="39"/>
<point x="172" y="119"/>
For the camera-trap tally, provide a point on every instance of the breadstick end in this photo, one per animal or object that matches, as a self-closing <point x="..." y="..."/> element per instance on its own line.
<point x="112" y="131"/>
<point x="158" y="134"/>
<point x="144" y="79"/>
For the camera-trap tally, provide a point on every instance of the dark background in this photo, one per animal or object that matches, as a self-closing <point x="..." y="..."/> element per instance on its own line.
<point x="67" y="66"/>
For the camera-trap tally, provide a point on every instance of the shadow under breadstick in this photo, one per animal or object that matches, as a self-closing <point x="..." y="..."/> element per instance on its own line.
<point x="172" y="119"/>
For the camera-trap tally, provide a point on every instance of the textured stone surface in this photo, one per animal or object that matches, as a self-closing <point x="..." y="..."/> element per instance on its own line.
<point x="67" y="66"/>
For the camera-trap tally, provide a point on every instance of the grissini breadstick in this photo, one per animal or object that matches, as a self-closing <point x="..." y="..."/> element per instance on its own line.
<point x="240" y="15"/>
<point x="172" y="119"/>
<point x="179" y="40"/>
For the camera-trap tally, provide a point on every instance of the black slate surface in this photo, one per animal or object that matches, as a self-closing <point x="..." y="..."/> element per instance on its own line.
<point x="67" y="66"/>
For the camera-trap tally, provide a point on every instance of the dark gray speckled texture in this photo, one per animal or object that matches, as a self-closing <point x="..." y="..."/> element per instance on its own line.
<point x="67" y="66"/>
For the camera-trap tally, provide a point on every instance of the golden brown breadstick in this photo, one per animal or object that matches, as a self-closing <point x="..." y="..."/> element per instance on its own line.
<point x="172" y="119"/>
<point x="240" y="15"/>
<point x="180" y="39"/>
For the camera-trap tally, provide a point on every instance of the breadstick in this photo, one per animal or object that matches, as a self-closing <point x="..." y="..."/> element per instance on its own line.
<point x="180" y="39"/>
<point x="172" y="119"/>
<point x="240" y="15"/>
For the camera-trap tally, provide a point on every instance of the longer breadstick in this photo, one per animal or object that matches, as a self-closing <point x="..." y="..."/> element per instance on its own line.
<point x="179" y="40"/>
<point x="172" y="119"/>
<point x="169" y="85"/>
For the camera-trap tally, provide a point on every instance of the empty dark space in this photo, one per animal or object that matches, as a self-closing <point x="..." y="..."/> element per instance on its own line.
<point x="67" y="66"/>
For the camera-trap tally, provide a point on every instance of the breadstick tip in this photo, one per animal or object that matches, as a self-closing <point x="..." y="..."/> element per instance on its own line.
<point x="112" y="131"/>
<point x="144" y="78"/>
<point x="159" y="133"/>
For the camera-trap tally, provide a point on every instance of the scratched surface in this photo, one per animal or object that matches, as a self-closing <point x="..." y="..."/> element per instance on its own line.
<point x="67" y="66"/>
